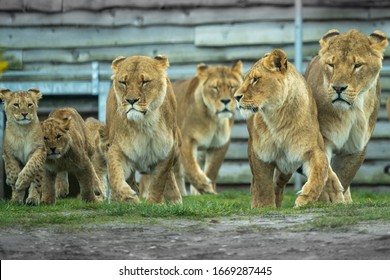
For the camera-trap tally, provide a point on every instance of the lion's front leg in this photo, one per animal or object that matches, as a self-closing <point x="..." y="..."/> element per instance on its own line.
<point x="346" y="167"/>
<point x="48" y="188"/>
<point x="262" y="187"/>
<point x="34" y="194"/>
<point x="90" y="189"/>
<point x="214" y="160"/>
<point x="12" y="171"/>
<point x="318" y="168"/>
<point x="116" y="166"/>
<point x="32" y="169"/>
<point x="192" y="170"/>
<point x="62" y="184"/>
<point x="162" y="182"/>
<point x="333" y="191"/>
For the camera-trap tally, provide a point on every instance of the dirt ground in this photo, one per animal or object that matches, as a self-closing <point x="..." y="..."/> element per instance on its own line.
<point x="226" y="238"/>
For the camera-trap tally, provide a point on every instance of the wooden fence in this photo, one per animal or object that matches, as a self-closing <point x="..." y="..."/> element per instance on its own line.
<point x="53" y="45"/>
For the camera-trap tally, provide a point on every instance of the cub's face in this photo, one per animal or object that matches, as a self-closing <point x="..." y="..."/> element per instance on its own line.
<point x="219" y="83"/>
<point x="21" y="106"/>
<point x="264" y="85"/>
<point x="56" y="137"/>
<point x="140" y="85"/>
<point x="351" y="64"/>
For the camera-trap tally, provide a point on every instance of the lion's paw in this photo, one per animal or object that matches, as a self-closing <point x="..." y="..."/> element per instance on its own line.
<point x="303" y="200"/>
<point x="125" y="194"/>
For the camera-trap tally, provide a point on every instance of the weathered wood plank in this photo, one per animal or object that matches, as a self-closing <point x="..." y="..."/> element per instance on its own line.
<point x="58" y="87"/>
<point x="146" y="17"/>
<point x="177" y="53"/>
<point x="97" y="5"/>
<point x="276" y="33"/>
<point x="61" y="37"/>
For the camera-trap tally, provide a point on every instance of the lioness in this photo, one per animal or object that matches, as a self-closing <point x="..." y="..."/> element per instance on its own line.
<point x="344" y="78"/>
<point x="69" y="149"/>
<point x="143" y="133"/>
<point x="24" y="151"/>
<point x="205" y="116"/>
<point x="283" y="132"/>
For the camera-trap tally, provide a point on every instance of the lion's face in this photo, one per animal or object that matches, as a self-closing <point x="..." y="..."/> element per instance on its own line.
<point x="351" y="62"/>
<point x="56" y="136"/>
<point x="219" y="83"/>
<point x="21" y="106"/>
<point x="140" y="84"/>
<point x="264" y="85"/>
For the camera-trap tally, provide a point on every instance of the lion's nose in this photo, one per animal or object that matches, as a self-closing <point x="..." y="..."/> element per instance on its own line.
<point x="132" y="101"/>
<point x="339" y="89"/>
<point x="53" y="149"/>
<point x="24" y="115"/>
<point x="238" y="97"/>
<point x="225" y="101"/>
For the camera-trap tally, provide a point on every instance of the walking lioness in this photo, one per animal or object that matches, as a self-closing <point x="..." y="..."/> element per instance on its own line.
<point x="205" y="115"/>
<point x="344" y="79"/>
<point x="283" y="132"/>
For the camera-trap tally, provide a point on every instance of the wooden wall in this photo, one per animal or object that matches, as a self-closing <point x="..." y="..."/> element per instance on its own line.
<point x="61" y="36"/>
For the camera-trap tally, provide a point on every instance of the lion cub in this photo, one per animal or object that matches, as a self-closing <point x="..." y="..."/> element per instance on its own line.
<point x="24" y="151"/>
<point x="205" y="116"/>
<point x="142" y="129"/>
<point x="283" y="132"/>
<point x="69" y="149"/>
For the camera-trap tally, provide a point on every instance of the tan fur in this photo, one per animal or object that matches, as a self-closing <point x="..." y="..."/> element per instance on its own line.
<point x="24" y="151"/>
<point x="347" y="63"/>
<point x="143" y="133"/>
<point x="205" y="116"/>
<point x="283" y="132"/>
<point x="69" y="149"/>
<point x="98" y="134"/>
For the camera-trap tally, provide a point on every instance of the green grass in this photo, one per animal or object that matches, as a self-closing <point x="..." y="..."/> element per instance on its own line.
<point x="74" y="214"/>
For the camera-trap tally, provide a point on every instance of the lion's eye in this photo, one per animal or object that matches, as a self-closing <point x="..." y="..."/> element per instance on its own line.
<point x="233" y="89"/>
<point x="331" y="65"/>
<point x="16" y="105"/>
<point x="358" y="65"/>
<point x="58" y="136"/>
<point x="45" y="138"/>
<point x="29" y="105"/>
<point x="122" y="83"/>
<point x="215" y="89"/>
<point x="254" y="80"/>
<point x="145" y="82"/>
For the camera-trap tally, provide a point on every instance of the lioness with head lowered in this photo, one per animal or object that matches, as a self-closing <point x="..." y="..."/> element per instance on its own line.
<point x="205" y="116"/>
<point x="142" y="129"/>
<point x="283" y="132"/>
<point x="344" y="79"/>
<point x="69" y="149"/>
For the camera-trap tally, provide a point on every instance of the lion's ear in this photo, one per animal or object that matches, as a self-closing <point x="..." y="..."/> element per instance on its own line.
<point x="201" y="71"/>
<point x="331" y="33"/>
<point x="36" y="93"/>
<point x="276" y="61"/>
<point x="378" y="41"/>
<point x="115" y="64"/>
<point x="66" y="121"/>
<point x="163" y="60"/>
<point x="5" y="94"/>
<point x="237" y="67"/>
